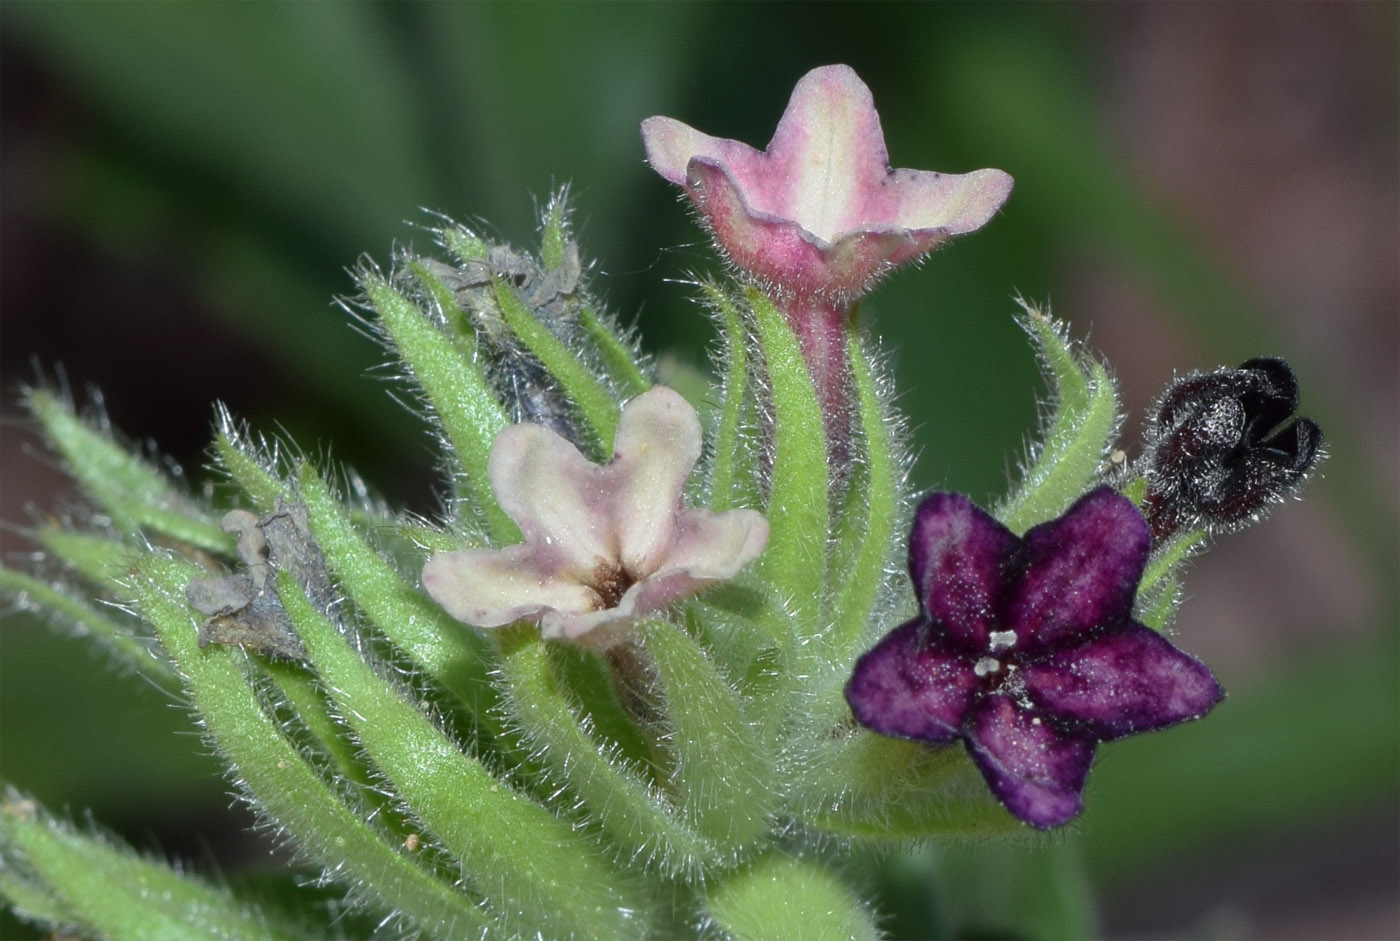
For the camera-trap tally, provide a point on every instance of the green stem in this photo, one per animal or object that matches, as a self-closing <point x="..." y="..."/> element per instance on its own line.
<point x="724" y="775"/>
<point x="532" y="867"/>
<point x="629" y="809"/>
<point x="779" y="898"/>
<point x="278" y="777"/>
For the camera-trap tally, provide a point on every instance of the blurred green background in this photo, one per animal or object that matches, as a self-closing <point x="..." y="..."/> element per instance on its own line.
<point x="184" y="187"/>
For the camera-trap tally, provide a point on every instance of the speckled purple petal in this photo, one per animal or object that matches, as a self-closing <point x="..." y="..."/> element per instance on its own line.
<point x="906" y="688"/>
<point x="1035" y="771"/>
<point x="957" y="557"/>
<point x="1082" y="570"/>
<point x="1129" y="679"/>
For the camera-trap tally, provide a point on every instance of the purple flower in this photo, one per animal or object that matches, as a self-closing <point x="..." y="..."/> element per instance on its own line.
<point x="820" y="216"/>
<point x="1026" y="650"/>
<point x="603" y="545"/>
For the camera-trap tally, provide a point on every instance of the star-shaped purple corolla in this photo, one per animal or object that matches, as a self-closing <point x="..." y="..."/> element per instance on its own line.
<point x="1026" y="651"/>
<point x="820" y="215"/>
<point x="604" y="544"/>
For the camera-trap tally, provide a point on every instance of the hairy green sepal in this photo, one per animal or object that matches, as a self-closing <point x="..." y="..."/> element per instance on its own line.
<point x="323" y="817"/>
<point x="1076" y="436"/>
<point x="636" y="815"/>
<point x="462" y="399"/>
<point x="137" y="495"/>
<point x="533" y="869"/>
<point x="111" y="892"/>
<point x="782" y="897"/>
<point x="797" y="504"/>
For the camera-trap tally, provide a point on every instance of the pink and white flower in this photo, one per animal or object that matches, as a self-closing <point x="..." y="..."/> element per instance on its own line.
<point x="820" y="212"/>
<point x="819" y="216"/>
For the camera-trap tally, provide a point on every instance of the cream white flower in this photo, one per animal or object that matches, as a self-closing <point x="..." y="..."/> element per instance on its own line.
<point x="603" y="545"/>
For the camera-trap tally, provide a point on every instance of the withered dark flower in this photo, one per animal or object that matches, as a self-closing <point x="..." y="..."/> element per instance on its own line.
<point x="1219" y="451"/>
<point x="1026" y="651"/>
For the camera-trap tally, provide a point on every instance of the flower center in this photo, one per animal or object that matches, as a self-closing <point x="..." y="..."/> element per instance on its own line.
<point x="998" y="672"/>
<point x="1001" y="640"/>
<point x="610" y="582"/>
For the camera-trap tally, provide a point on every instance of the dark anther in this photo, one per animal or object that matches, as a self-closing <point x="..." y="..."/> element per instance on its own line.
<point x="1222" y="448"/>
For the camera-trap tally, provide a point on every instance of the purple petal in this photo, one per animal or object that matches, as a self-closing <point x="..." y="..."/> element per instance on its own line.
<point x="1082" y="570"/>
<point x="906" y="688"/>
<point x="1035" y="771"/>
<point x="1129" y="679"/>
<point x="957" y="557"/>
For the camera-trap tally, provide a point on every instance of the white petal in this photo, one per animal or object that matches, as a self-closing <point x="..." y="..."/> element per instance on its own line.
<point x="489" y="588"/>
<point x="830" y="149"/>
<point x="955" y="202"/>
<point x="715" y="546"/>
<point x="658" y="443"/>
<point x="560" y="499"/>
